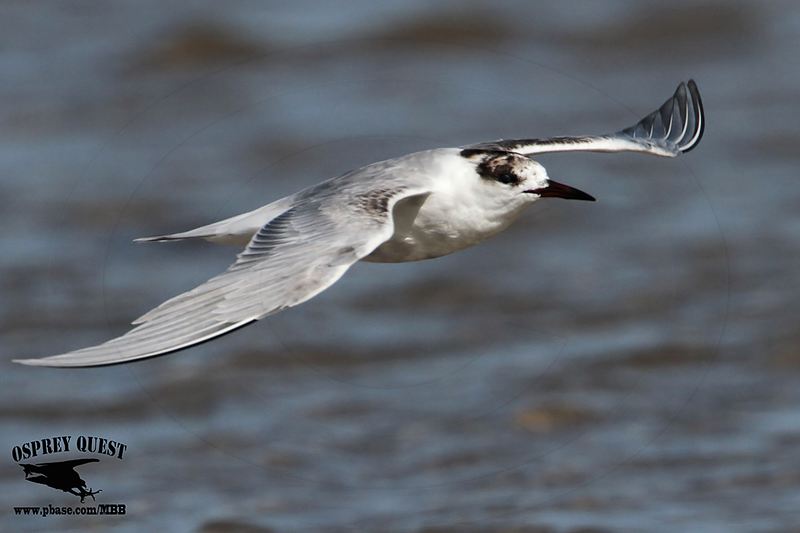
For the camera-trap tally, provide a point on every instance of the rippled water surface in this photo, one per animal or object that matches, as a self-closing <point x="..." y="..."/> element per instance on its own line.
<point x="628" y="365"/>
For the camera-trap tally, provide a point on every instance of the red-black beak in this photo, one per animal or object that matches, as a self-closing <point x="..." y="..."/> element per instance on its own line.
<point x="554" y="189"/>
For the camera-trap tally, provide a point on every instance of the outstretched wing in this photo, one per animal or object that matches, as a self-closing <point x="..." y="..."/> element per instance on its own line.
<point x="70" y="464"/>
<point x="43" y="468"/>
<point x="291" y="259"/>
<point x="674" y="128"/>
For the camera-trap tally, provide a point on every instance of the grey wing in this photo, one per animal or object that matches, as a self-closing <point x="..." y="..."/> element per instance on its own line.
<point x="674" y="128"/>
<point x="291" y="259"/>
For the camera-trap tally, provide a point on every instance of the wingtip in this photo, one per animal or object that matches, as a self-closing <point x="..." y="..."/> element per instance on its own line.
<point x="694" y="91"/>
<point x="53" y="361"/>
<point x="161" y="238"/>
<point x="700" y="116"/>
<point x="158" y="238"/>
<point x="81" y="359"/>
<point x="31" y="362"/>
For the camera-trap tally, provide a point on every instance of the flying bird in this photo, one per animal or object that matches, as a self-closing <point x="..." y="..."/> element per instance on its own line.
<point x="60" y="475"/>
<point x="418" y="206"/>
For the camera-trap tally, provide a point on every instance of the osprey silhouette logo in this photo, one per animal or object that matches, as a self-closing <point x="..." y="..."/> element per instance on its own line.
<point x="63" y="474"/>
<point x="60" y="475"/>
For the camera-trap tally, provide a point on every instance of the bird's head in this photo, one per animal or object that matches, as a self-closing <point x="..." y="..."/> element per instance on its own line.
<point x="517" y="177"/>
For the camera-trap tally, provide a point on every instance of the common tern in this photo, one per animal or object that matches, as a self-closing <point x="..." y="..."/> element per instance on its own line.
<point x="419" y="206"/>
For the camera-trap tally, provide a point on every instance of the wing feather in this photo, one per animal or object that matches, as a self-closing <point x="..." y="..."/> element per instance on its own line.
<point x="663" y="132"/>
<point x="289" y="260"/>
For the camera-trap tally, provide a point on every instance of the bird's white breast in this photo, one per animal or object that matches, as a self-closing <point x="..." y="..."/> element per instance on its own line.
<point x="456" y="215"/>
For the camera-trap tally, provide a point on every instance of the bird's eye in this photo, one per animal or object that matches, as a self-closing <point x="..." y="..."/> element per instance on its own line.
<point x="507" y="178"/>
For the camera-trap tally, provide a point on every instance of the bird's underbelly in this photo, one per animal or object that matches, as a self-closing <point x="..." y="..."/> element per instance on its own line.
<point x="415" y="247"/>
<point x="428" y="237"/>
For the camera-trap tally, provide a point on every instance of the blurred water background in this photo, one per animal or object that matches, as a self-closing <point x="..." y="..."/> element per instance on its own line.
<point x="629" y="365"/>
